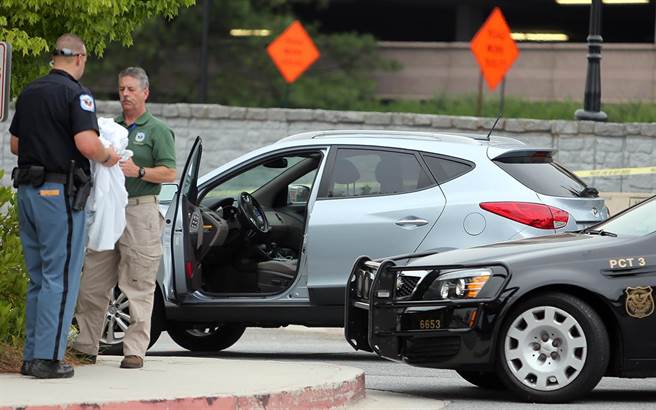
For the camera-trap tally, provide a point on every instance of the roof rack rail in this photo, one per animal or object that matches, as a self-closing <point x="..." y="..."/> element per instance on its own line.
<point x="451" y="136"/>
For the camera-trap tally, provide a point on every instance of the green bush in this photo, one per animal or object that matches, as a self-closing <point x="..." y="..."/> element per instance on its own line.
<point x="13" y="275"/>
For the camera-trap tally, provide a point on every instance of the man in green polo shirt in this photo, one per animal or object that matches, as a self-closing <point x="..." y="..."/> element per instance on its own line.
<point x="134" y="260"/>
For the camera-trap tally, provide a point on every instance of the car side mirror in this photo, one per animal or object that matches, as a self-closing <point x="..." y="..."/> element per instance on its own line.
<point x="298" y="194"/>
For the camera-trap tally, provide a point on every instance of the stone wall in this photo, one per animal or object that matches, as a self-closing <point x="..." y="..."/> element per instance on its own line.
<point x="228" y="132"/>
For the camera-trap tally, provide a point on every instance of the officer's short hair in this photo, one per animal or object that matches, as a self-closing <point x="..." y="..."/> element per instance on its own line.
<point x="136" y="72"/>
<point x="70" y="42"/>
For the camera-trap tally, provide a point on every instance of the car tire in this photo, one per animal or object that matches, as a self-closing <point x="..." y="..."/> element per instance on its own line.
<point x="552" y="348"/>
<point x="110" y="344"/>
<point x="484" y="380"/>
<point x="205" y="338"/>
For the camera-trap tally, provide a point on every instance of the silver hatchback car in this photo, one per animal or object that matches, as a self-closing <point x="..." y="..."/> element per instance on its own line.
<point x="269" y="238"/>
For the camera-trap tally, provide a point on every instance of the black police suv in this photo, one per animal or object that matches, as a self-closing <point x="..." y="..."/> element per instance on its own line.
<point x="546" y="317"/>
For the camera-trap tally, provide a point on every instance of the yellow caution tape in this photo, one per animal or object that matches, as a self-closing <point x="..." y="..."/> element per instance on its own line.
<point x="615" y="172"/>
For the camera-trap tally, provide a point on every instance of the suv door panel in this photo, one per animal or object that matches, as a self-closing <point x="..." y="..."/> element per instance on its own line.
<point x="375" y="223"/>
<point x="186" y="271"/>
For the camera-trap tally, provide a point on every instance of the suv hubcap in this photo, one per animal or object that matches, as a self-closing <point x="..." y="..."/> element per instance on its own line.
<point x="116" y="321"/>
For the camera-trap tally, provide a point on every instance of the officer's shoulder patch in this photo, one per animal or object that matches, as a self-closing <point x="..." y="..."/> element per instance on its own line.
<point x="87" y="103"/>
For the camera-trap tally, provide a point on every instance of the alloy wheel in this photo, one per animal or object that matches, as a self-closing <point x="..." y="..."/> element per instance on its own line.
<point x="117" y="319"/>
<point x="545" y="348"/>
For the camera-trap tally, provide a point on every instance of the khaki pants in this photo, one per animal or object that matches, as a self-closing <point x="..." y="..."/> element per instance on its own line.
<point x="133" y="265"/>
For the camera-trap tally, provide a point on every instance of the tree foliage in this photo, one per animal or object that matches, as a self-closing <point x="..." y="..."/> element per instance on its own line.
<point x="13" y="275"/>
<point x="240" y="71"/>
<point x="32" y="26"/>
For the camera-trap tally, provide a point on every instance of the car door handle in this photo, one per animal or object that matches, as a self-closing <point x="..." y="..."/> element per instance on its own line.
<point x="411" y="222"/>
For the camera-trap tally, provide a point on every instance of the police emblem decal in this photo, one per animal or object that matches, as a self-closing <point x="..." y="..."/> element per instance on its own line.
<point x="140" y="137"/>
<point x="87" y="103"/>
<point x="639" y="302"/>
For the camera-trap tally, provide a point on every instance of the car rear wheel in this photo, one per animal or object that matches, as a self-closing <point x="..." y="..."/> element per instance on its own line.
<point x="484" y="380"/>
<point x="553" y="348"/>
<point x="205" y="337"/>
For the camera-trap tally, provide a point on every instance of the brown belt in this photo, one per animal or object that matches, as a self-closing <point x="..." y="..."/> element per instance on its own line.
<point x="146" y="199"/>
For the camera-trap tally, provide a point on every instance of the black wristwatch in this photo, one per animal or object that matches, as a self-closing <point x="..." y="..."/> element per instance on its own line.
<point x="142" y="172"/>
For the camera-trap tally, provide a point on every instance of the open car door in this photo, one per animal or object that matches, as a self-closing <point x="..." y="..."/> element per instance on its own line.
<point x="188" y="227"/>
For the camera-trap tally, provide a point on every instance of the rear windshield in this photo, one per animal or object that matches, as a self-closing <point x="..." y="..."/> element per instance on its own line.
<point x="541" y="174"/>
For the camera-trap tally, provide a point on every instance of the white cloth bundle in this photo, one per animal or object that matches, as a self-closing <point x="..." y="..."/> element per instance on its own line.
<point x="106" y="205"/>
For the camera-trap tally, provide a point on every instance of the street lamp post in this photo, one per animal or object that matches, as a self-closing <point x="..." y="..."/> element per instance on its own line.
<point x="591" y="110"/>
<point x="203" y="52"/>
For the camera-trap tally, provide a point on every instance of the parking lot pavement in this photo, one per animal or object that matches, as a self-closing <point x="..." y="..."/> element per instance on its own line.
<point x="384" y="400"/>
<point x="189" y="383"/>
<point x="338" y="331"/>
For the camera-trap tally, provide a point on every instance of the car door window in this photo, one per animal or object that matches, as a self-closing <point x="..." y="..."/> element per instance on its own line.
<point x="189" y="178"/>
<point x="361" y="172"/>
<point x="446" y="169"/>
<point x="256" y="177"/>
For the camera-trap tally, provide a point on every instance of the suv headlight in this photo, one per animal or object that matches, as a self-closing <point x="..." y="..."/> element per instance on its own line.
<point x="463" y="284"/>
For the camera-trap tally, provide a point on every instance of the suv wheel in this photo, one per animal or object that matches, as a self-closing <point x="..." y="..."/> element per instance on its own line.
<point x="553" y="348"/>
<point x="484" y="380"/>
<point x="117" y="320"/>
<point x="205" y="337"/>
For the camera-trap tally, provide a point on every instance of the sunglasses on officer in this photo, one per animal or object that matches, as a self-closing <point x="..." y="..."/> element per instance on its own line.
<point x="66" y="52"/>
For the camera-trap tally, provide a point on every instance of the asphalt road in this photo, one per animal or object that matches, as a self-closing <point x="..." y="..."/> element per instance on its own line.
<point x="327" y="345"/>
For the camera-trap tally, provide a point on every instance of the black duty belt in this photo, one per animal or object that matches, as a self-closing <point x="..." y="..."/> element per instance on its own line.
<point x="36" y="176"/>
<point x="77" y="182"/>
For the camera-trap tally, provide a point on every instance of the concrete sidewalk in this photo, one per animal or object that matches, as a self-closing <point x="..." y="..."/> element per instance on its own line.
<point x="189" y="383"/>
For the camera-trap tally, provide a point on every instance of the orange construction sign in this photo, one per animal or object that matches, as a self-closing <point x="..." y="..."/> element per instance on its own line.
<point x="293" y="52"/>
<point x="494" y="49"/>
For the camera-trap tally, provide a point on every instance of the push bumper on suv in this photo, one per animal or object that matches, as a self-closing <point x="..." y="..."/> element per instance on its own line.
<point x="390" y="311"/>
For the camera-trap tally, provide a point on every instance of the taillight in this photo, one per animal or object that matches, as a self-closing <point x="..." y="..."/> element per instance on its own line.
<point x="189" y="270"/>
<point x="535" y="215"/>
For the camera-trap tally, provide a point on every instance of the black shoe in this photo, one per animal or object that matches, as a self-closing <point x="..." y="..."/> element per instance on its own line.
<point x="25" y="368"/>
<point x="83" y="357"/>
<point x="50" y="369"/>
<point x="132" y="362"/>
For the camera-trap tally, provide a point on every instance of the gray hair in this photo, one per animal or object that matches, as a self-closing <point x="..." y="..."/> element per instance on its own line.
<point x="136" y="72"/>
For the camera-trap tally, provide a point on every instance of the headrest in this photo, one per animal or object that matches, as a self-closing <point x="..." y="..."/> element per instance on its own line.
<point x="345" y="172"/>
<point x="389" y="168"/>
<point x="388" y="175"/>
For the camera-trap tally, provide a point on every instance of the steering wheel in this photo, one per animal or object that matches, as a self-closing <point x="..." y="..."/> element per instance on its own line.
<point x="253" y="213"/>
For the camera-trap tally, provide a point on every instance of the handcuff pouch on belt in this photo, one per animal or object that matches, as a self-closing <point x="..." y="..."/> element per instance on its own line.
<point x="77" y="183"/>
<point x="34" y="175"/>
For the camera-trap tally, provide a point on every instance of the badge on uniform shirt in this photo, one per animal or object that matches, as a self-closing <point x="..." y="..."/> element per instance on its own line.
<point x="140" y="137"/>
<point x="87" y="103"/>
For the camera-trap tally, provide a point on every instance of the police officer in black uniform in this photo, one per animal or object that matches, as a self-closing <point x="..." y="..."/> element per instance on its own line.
<point x="54" y="132"/>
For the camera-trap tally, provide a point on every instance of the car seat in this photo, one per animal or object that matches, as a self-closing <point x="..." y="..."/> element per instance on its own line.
<point x="276" y="275"/>
<point x="388" y="175"/>
<point x="345" y="173"/>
